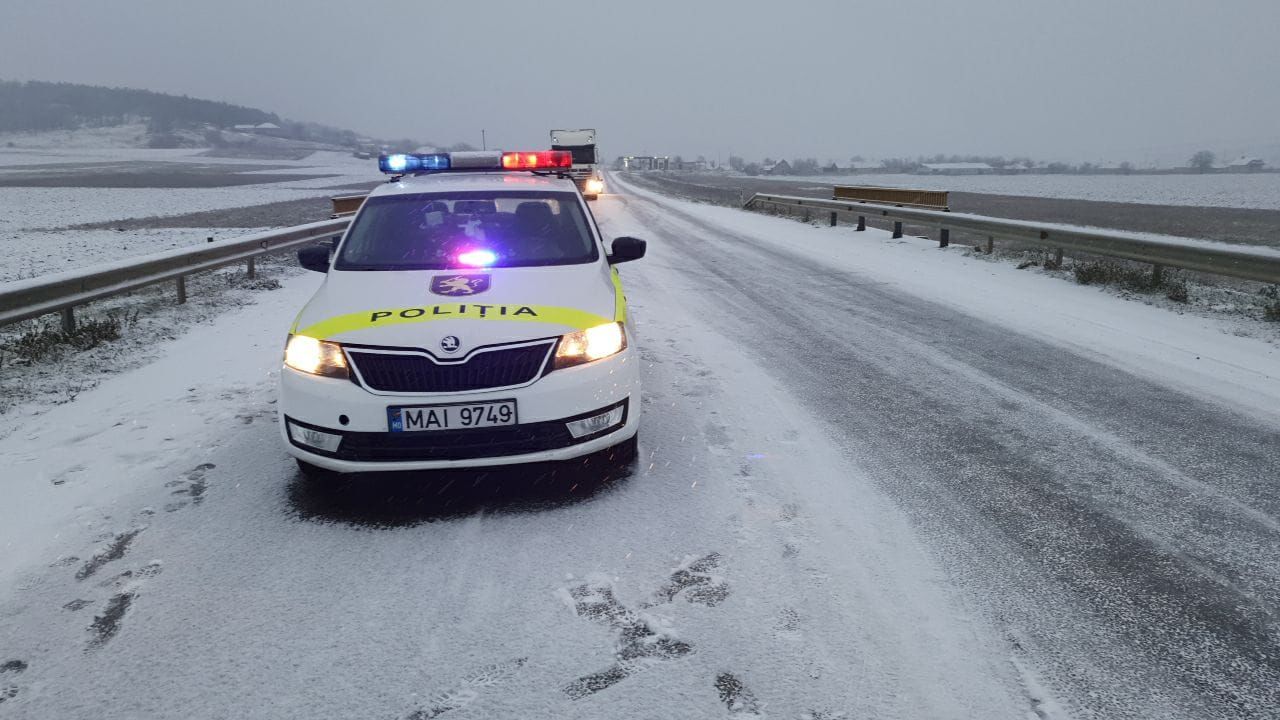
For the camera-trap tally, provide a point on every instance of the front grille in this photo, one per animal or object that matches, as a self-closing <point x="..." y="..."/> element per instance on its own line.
<point x="460" y="444"/>
<point x="455" y="444"/>
<point x="403" y="372"/>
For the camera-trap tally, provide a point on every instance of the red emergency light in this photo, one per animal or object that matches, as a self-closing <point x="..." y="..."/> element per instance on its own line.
<point x="537" y="160"/>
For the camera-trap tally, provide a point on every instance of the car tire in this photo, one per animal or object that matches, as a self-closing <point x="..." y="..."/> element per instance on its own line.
<point x="590" y="197"/>
<point x="315" y="473"/>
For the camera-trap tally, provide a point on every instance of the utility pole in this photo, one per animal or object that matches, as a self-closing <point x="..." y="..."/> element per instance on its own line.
<point x="483" y="143"/>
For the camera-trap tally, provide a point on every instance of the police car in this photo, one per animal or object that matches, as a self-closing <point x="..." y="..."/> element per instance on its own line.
<point x="471" y="315"/>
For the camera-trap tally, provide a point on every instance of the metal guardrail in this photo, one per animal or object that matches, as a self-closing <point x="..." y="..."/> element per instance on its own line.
<point x="902" y="197"/>
<point x="62" y="292"/>
<point x="1158" y="250"/>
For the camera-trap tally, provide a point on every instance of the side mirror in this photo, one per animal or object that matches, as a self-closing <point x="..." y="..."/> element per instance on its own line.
<point x="626" y="249"/>
<point x="315" y="257"/>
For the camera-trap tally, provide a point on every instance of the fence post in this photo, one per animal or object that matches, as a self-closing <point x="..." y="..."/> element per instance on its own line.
<point x="253" y="270"/>
<point x="182" y="289"/>
<point x="68" y="320"/>
<point x="862" y="223"/>
<point x="897" y="228"/>
<point x="944" y="238"/>
<point x="991" y="244"/>
<point x="833" y="218"/>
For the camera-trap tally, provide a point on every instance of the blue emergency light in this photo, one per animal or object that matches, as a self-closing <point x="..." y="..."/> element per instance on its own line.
<point x="402" y="163"/>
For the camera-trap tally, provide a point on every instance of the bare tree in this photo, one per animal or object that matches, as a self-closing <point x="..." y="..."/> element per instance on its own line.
<point x="1202" y="161"/>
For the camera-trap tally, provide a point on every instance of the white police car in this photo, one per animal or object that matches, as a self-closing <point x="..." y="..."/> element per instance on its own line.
<point x="470" y="315"/>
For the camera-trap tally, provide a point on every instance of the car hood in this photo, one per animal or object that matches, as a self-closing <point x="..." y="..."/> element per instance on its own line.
<point x="419" y="308"/>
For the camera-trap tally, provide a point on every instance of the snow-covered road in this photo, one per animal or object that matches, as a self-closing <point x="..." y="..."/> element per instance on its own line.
<point x="894" y="483"/>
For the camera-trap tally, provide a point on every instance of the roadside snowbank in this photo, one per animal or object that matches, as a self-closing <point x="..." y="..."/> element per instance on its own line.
<point x="1251" y="190"/>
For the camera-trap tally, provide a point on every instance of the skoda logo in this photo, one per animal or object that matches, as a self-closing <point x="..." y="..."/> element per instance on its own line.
<point x="450" y="343"/>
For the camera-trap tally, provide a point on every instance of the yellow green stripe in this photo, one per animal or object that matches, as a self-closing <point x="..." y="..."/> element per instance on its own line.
<point x="619" y="299"/>
<point x="569" y="317"/>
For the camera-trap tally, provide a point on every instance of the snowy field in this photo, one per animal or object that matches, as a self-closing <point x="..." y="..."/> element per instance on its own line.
<point x="1260" y="190"/>
<point x="52" y="208"/>
<point x="34" y="238"/>
<point x="31" y="253"/>
<point x="876" y="480"/>
<point x="28" y="208"/>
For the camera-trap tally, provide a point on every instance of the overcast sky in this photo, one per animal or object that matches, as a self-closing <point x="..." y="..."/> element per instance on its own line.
<point x="1069" y="79"/>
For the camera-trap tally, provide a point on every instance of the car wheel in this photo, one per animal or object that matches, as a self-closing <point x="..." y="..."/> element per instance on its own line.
<point x="590" y="197"/>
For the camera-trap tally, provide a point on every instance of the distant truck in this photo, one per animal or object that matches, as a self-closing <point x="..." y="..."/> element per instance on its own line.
<point x="586" y="169"/>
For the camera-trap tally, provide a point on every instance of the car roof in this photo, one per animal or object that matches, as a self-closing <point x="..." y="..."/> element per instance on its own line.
<point x="473" y="181"/>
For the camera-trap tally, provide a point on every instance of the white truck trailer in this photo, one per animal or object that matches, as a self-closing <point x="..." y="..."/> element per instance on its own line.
<point x="586" y="168"/>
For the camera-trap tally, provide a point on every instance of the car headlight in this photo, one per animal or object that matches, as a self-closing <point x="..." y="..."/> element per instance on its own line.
<point x="317" y="357"/>
<point x="595" y="186"/>
<point x="588" y="345"/>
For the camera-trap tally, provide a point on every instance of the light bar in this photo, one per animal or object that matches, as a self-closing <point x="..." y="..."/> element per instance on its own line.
<point x="475" y="159"/>
<point x="401" y="163"/>
<point x="537" y="160"/>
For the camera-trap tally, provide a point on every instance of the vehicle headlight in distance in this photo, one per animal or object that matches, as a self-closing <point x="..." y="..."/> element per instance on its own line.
<point x="588" y="345"/>
<point x="316" y="357"/>
<point x="595" y="186"/>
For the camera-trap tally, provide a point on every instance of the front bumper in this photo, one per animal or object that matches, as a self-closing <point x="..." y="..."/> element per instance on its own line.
<point x="544" y="408"/>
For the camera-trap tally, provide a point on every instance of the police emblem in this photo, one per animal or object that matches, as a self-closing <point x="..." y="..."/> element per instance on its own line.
<point x="459" y="284"/>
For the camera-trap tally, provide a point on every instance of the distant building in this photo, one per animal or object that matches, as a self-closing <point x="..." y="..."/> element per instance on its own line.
<point x="266" y="128"/>
<point x="862" y="166"/>
<point x="693" y="165"/>
<point x="1245" y="164"/>
<point x="782" y="167"/>
<point x="645" y="162"/>
<point x="957" y="168"/>
<point x="1113" y="168"/>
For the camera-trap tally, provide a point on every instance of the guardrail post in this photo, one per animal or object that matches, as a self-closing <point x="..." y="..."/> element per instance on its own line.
<point x="182" y="289"/>
<point x="833" y="218"/>
<point x="253" y="269"/>
<point x="944" y="238"/>
<point x="1057" y="259"/>
<point x="897" y="229"/>
<point x="68" y="320"/>
<point x="1157" y="275"/>
<point x="862" y="223"/>
<point x="991" y="244"/>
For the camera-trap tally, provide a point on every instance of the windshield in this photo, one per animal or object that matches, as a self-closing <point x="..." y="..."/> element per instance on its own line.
<point x="582" y="154"/>
<point x="433" y="231"/>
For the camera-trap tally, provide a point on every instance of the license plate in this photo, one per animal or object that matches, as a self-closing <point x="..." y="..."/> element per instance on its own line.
<point x="454" y="416"/>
